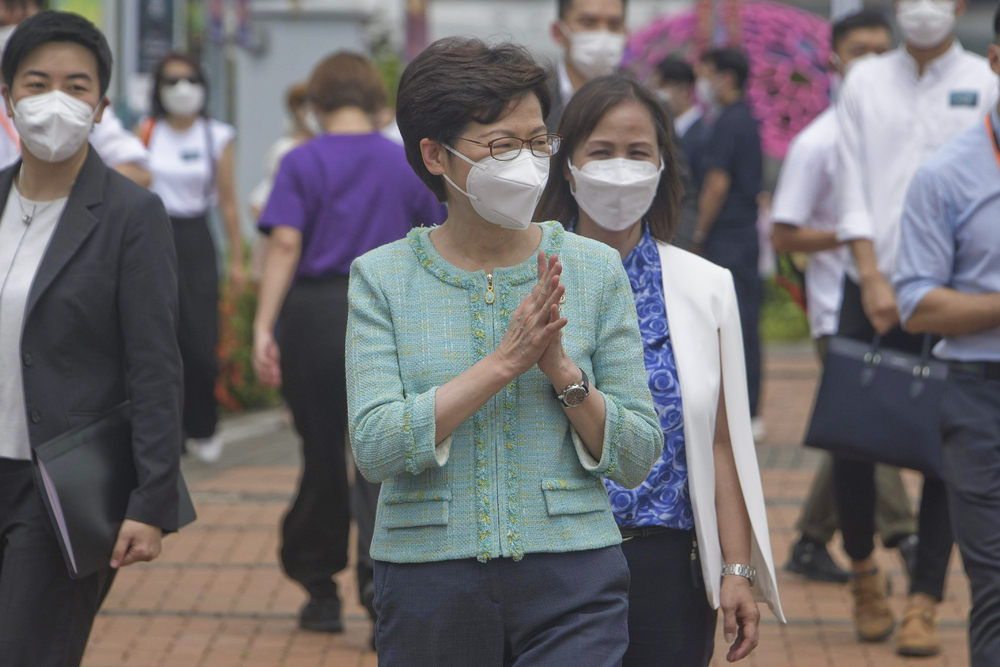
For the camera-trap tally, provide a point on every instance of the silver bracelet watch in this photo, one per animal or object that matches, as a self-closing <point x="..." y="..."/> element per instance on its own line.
<point x="747" y="571"/>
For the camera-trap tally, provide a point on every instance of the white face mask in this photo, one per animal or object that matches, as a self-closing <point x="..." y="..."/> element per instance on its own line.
<point x="183" y="98"/>
<point x="616" y="193"/>
<point x="53" y="126"/>
<point x="505" y="192"/>
<point x="706" y="92"/>
<point x="312" y="123"/>
<point x="925" y="23"/>
<point x="595" y="52"/>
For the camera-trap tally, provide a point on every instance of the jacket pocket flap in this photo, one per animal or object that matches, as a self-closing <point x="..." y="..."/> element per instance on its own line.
<point x="415" y="508"/>
<point x="574" y="496"/>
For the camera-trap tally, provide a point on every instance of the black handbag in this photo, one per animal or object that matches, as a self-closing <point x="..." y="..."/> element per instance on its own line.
<point x="881" y="405"/>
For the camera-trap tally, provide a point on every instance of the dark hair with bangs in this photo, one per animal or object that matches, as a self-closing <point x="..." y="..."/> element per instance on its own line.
<point x="582" y="115"/>
<point x="866" y="18"/>
<point x="51" y="26"/>
<point x="156" y="105"/>
<point x="457" y="81"/>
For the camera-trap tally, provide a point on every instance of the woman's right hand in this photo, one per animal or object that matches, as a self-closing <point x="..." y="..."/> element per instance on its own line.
<point x="266" y="359"/>
<point x="535" y="322"/>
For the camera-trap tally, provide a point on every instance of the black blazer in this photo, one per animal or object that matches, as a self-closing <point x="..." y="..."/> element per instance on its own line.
<point x="100" y="328"/>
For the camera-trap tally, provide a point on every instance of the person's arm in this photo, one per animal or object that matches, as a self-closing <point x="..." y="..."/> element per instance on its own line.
<point x="225" y="183"/>
<point x="795" y="238"/>
<point x="392" y="431"/>
<point x="147" y="313"/>
<point x="741" y="617"/>
<point x="280" y="262"/>
<point x="948" y="312"/>
<point x="714" y="191"/>
<point x="136" y="172"/>
<point x="615" y="431"/>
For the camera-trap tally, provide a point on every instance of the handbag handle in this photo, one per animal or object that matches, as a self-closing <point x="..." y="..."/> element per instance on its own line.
<point x="921" y="372"/>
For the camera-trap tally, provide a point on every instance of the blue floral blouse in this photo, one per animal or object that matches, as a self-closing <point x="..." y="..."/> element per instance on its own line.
<point x="663" y="499"/>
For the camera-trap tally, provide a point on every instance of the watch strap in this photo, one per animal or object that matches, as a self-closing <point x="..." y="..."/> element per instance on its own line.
<point x="745" y="571"/>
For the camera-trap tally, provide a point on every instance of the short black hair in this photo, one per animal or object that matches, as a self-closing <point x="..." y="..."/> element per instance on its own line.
<point x="156" y="104"/>
<point x="566" y="5"/>
<point x="52" y="26"/>
<point x="457" y="81"/>
<point x="675" y="70"/>
<point x="866" y="18"/>
<point x="729" y="60"/>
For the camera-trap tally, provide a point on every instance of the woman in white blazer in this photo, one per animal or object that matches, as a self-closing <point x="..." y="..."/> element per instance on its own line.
<point x="695" y="532"/>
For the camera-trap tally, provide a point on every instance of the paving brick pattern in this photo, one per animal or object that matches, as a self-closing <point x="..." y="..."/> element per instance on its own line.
<point x="217" y="597"/>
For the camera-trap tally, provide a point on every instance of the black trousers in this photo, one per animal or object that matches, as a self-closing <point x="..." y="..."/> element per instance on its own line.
<point x="198" y="322"/>
<point x="670" y="623"/>
<point x="854" y="481"/>
<point x="970" y="429"/>
<point x="739" y="251"/>
<point x="45" y="617"/>
<point x="313" y="332"/>
<point x="566" y="609"/>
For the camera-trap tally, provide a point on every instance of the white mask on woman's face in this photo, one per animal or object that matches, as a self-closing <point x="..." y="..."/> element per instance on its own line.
<point x="925" y="23"/>
<point x="183" y="98"/>
<point x="53" y="126"/>
<point x="706" y="91"/>
<point x="616" y="193"/>
<point x="505" y="192"/>
<point x="595" y="53"/>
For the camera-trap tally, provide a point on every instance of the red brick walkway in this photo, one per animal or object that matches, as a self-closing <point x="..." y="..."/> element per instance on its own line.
<point x="217" y="597"/>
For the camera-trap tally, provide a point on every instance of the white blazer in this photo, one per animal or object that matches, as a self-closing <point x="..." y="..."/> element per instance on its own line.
<point x="704" y="323"/>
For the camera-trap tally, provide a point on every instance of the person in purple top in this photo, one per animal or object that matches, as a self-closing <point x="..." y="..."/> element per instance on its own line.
<point x="335" y="197"/>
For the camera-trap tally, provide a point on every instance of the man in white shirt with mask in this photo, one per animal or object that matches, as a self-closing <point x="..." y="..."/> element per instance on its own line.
<point x="592" y="35"/>
<point x="895" y="111"/>
<point x="805" y="220"/>
<point x="120" y="149"/>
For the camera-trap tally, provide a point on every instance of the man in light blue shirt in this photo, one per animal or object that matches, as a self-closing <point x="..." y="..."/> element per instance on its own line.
<point x="947" y="282"/>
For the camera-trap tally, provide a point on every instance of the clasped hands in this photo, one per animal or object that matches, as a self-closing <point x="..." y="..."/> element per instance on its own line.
<point x="534" y="335"/>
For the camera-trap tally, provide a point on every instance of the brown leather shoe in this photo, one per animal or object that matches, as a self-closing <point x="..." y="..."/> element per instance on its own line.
<point x="918" y="634"/>
<point x="873" y="619"/>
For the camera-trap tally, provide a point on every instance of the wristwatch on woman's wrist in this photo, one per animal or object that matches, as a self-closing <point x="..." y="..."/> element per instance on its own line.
<point x="747" y="571"/>
<point x="575" y="394"/>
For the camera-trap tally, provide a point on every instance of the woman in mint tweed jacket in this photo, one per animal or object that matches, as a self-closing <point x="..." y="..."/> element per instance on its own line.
<point x="494" y="540"/>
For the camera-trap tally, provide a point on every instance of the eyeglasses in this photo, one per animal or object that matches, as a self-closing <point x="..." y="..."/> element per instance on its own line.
<point x="174" y="80"/>
<point x="508" y="148"/>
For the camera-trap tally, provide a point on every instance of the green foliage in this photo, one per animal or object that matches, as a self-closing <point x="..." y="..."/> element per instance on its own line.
<point x="780" y="317"/>
<point x="236" y="387"/>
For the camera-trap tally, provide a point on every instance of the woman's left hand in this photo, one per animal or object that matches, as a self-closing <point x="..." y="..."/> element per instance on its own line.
<point x="741" y="617"/>
<point x="553" y="363"/>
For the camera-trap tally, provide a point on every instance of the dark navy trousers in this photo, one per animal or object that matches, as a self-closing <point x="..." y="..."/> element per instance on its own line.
<point x="548" y="609"/>
<point x="970" y="431"/>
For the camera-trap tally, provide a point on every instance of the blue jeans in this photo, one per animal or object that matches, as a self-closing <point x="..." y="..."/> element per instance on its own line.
<point x="549" y="609"/>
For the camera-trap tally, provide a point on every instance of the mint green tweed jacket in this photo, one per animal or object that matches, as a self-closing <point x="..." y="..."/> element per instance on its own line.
<point x="515" y="478"/>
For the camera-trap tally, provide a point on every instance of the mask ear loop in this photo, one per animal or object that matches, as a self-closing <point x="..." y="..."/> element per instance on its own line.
<point x="453" y="184"/>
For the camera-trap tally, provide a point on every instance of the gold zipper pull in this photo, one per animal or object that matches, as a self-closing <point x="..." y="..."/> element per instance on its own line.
<point x="490" y="295"/>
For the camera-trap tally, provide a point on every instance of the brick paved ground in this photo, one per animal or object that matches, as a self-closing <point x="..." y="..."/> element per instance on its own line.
<point x="216" y="597"/>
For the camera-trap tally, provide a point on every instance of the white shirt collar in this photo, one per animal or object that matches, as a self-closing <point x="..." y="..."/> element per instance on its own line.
<point x="936" y="67"/>
<point x="684" y="122"/>
<point x="566" y="89"/>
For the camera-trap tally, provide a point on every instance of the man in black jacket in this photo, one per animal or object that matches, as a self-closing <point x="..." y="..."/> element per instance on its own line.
<point x="88" y="304"/>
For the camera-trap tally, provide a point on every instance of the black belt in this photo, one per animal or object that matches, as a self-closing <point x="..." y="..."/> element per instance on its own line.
<point x="641" y="531"/>
<point x="987" y="370"/>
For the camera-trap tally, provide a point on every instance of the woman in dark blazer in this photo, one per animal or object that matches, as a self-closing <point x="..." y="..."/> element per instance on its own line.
<point x="88" y="305"/>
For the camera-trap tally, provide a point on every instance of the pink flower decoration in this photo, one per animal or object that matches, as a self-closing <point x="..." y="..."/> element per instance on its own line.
<point x="788" y="50"/>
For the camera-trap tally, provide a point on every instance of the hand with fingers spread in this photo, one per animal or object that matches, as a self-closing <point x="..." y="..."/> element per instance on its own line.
<point x="741" y="617"/>
<point x="535" y="322"/>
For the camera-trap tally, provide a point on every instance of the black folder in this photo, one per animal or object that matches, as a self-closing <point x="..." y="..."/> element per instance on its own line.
<point x="88" y="475"/>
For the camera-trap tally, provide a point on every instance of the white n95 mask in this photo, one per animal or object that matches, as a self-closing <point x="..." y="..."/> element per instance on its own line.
<point x="595" y="52"/>
<point x="505" y="192"/>
<point x="616" y="193"/>
<point x="925" y="23"/>
<point x="183" y="98"/>
<point x="53" y="126"/>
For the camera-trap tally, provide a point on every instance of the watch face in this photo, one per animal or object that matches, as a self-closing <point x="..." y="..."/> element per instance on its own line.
<point x="574" y="396"/>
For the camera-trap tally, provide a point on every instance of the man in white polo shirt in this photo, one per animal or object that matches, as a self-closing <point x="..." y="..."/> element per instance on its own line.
<point x="895" y="111"/>
<point x="805" y="220"/>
